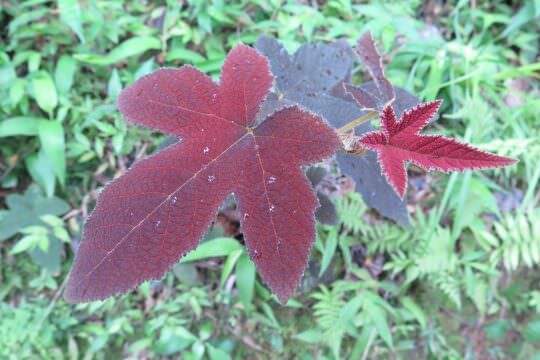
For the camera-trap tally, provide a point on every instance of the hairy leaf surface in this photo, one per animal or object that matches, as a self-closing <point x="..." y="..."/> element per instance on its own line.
<point x="147" y="219"/>
<point x="314" y="77"/>
<point x="401" y="141"/>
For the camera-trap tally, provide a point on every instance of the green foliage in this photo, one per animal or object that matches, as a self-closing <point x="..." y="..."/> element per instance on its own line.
<point x="461" y="282"/>
<point x="515" y="240"/>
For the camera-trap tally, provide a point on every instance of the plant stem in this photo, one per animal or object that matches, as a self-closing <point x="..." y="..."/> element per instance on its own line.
<point x="355" y="123"/>
<point x="368" y="345"/>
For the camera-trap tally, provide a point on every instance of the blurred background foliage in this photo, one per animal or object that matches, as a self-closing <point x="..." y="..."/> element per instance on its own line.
<point x="461" y="282"/>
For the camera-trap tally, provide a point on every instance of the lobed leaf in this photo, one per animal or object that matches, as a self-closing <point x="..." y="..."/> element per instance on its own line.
<point x="148" y="218"/>
<point x="401" y="141"/>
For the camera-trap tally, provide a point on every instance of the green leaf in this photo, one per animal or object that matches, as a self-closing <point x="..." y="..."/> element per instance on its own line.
<point x="16" y="92"/>
<point x="27" y="210"/>
<point x="44" y="91"/>
<point x="532" y="332"/>
<point x="70" y="14"/>
<point x="129" y="48"/>
<point x="186" y="273"/>
<point x="173" y="340"/>
<point x="41" y="170"/>
<point x="64" y="73"/>
<point x="7" y="72"/>
<point x="329" y="249"/>
<point x="245" y="279"/>
<point x="48" y="259"/>
<point x="26" y="243"/>
<point x="415" y="310"/>
<point x="115" y="86"/>
<point x="20" y="126"/>
<point x="497" y="329"/>
<point x="213" y="248"/>
<point x="51" y="135"/>
<point x="185" y="55"/>
<point x="145" y="69"/>
<point x="378" y="319"/>
<point x="229" y="265"/>
<point x="216" y="353"/>
<point x="311" y="336"/>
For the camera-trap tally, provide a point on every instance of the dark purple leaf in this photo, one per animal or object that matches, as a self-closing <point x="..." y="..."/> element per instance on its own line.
<point x="325" y="96"/>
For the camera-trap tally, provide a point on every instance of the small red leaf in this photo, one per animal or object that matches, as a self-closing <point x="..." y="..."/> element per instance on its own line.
<point x="400" y="141"/>
<point x="147" y="219"/>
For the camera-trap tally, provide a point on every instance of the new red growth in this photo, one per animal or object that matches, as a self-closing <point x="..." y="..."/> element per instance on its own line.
<point x="401" y="141"/>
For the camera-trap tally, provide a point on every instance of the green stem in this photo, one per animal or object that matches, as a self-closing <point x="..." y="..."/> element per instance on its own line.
<point x="359" y="121"/>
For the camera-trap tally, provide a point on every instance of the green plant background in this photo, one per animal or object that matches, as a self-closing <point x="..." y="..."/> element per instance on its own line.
<point x="461" y="282"/>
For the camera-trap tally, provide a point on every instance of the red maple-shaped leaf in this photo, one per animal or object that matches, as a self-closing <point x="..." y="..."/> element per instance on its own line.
<point x="158" y="211"/>
<point x="400" y="141"/>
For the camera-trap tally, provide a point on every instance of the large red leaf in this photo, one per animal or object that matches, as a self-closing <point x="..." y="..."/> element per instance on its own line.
<point x="147" y="219"/>
<point x="400" y="141"/>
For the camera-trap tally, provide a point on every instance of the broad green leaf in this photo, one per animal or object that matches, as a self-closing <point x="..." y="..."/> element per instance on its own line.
<point x="145" y="69"/>
<point x="34" y="60"/>
<point x="245" y="279"/>
<point x="216" y="353"/>
<point x="44" y="91"/>
<point x="64" y="73"/>
<point x="213" y="248"/>
<point x="173" y="340"/>
<point x="185" y="55"/>
<point x="186" y="273"/>
<point x="70" y="14"/>
<point x="16" y="92"/>
<point x="497" y="329"/>
<point x="51" y="135"/>
<point x="20" y="126"/>
<point x="41" y="170"/>
<point x="115" y="86"/>
<point x="532" y="332"/>
<point x="129" y="48"/>
<point x="7" y="71"/>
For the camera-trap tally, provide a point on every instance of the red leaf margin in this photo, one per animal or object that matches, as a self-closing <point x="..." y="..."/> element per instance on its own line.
<point x="400" y="141"/>
<point x="113" y="258"/>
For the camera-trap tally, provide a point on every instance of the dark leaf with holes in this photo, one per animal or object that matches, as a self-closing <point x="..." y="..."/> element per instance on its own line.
<point x="158" y="211"/>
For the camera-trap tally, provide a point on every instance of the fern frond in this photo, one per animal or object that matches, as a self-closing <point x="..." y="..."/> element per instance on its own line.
<point x="449" y="284"/>
<point x="351" y="210"/>
<point x="515" y="240"/>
